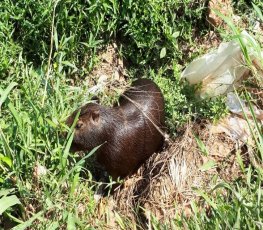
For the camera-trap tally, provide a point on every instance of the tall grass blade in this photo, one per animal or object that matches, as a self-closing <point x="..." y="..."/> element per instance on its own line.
<point x="69" y="139"/>
<point x="77" y="165"/>
<point x="8" y="150"/>
<point x="228" y="21"/>
<point x="256" y="133"/>
<point x="15" y="115"/>
<point x="5" y="93"/>
<point x="28" y="223"/>
<point x="207" y="199"/>
<point x="259" y="12"/>
<point x="71" y="222"/>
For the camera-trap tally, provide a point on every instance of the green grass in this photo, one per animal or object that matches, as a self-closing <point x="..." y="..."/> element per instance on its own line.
<point x="43" y="46"/>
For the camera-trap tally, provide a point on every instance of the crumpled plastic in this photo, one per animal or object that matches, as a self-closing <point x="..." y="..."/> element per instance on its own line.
<point x="223" y="69"/>
<point x="236" y="125"/>
<point x="239" y="107"/>
<point x="234" y="104"/>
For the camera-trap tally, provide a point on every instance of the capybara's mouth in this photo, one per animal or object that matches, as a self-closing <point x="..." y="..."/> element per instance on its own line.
<point x="74" y="148"/>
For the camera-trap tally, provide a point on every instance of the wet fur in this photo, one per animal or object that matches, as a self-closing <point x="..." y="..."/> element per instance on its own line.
<point x="126" y="132"/>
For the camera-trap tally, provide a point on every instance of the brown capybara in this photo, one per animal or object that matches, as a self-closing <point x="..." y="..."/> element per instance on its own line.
<point x="129" y="132"/>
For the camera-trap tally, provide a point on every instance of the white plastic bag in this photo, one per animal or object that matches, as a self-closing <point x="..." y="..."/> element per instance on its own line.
<point x="220" y="70"/>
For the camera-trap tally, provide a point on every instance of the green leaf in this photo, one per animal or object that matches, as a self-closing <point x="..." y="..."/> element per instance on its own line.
<point x="201" y="145"/>
<point x="71" y="222"/>
<point x="74" y="184"/>
<point x="56" y="38"/>
<point x="240" y="161"/>
<point x="176" y="34"/>
<point x="66" y="40"/>
<point x="256" y="8"/>
<point x="6" y="144"/>
<point x="7" y="202"/>
<point x="222" y="185"/>
<point x="207" y="199"/>
<point x="163" y="52"/>
<point x="5" y="93"/>
<point x="51" y="123"/>
<point x="28" y="222"/>
<point x="67" y="63"/>
<point x="70" y="136"/>
<point x="6" y="160"/>
<point x="227" y="20"/>
<point x="237" y="223"/>
<point x="77" y="165"/>
<point x="66" y="150"/>
<point x="208" y="165"/>
<point x="5" y="192"/>
<point x="15" y="114"/>
<point x="119" y="220"/>
<point x="53" y="226"/>
<point x="194" y="207"/>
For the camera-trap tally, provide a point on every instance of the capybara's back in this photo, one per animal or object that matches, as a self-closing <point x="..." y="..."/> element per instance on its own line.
<point x="129" y="133"/>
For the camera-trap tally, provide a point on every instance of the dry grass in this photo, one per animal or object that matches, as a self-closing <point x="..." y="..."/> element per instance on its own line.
<point x="165" y="185"/>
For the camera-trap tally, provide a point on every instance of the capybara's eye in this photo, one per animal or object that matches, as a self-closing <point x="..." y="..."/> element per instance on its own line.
<point x="79" y="125"/>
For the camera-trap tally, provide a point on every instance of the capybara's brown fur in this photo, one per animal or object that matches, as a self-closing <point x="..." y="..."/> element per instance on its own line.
<point x="125" y="132"/>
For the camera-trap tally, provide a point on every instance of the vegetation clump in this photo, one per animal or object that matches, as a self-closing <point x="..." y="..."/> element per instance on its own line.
<point x="51" y="58"/>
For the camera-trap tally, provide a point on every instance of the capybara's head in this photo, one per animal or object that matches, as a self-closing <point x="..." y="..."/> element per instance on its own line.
<point x="87" y="133"/>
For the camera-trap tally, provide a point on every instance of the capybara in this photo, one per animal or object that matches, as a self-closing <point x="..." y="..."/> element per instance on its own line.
<point x="129" y="132"/>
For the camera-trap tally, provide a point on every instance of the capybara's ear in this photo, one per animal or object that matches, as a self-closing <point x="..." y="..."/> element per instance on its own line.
<point x="95" y="116"/>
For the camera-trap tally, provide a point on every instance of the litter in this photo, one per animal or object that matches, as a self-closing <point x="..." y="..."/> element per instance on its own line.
<point x="222" y="70"/>
<point x="233" y="126"/>
<point x="234" y="104"/>
<point x="236" y="125"/>
<point x="239" y="107"/>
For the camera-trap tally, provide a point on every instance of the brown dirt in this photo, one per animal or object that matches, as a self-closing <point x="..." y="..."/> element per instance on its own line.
<point x="108" y="77"/>
<point x="110" y="63"/>
<point x="222" y="6"/>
